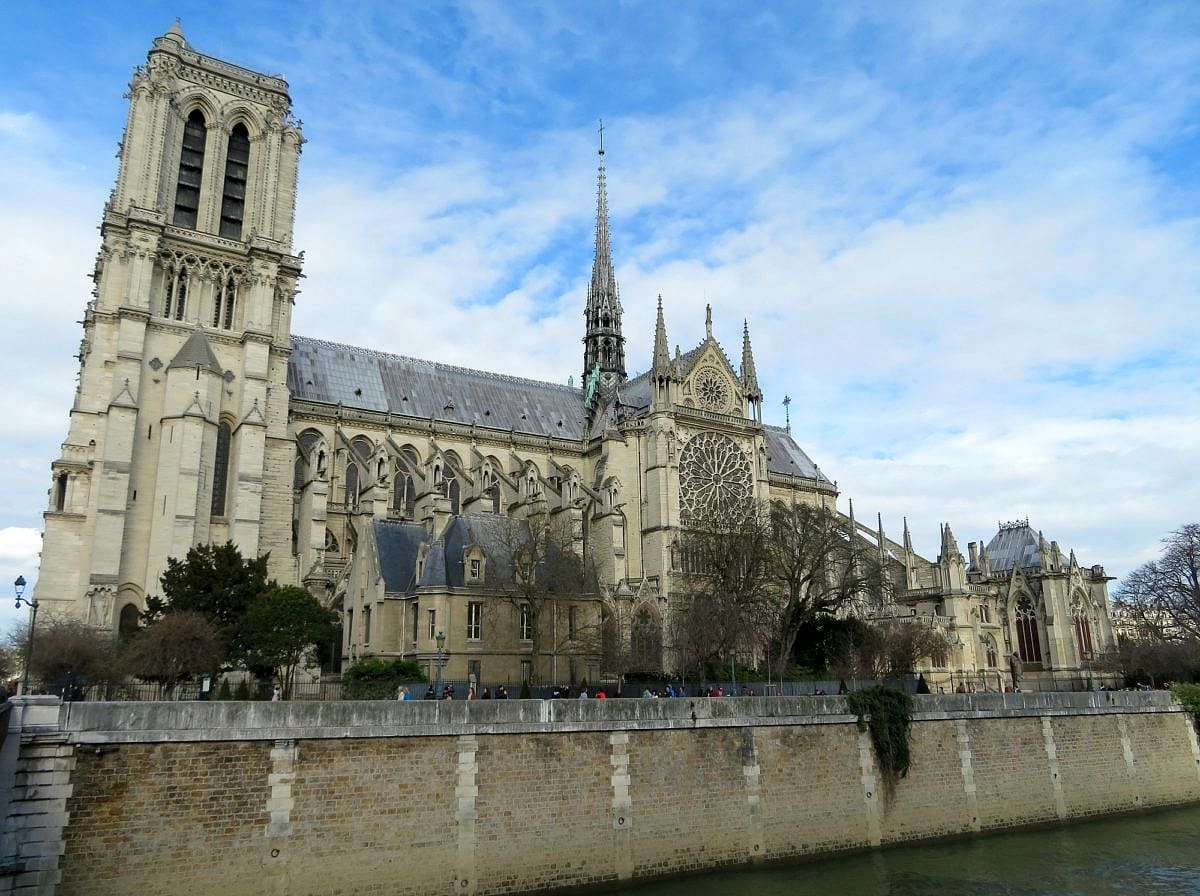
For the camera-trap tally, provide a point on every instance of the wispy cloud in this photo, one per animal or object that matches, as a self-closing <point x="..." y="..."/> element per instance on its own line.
<point x="963" y="236"/>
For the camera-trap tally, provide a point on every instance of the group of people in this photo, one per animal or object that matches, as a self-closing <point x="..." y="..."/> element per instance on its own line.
<point x="448" y="693"/>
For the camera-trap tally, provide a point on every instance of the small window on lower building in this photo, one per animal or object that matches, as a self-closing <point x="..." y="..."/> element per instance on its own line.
<point x="474" y="621"/>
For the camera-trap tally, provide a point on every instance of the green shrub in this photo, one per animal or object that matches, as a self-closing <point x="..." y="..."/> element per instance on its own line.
<point x="922" y="685"/>
<point x="526" y="694"/>
<point x="224" y="692"/>
<point x="242" y="691"/>
<point x="377" y="679"/>
<point x="1189" y="696"/>
<point x="887" y="713"/>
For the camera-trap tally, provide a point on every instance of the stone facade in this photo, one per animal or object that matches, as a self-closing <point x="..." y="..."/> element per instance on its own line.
<point x="200" y="417"/>
<point x="522" y="796"/>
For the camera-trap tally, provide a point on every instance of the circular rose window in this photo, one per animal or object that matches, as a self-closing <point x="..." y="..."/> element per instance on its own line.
<point x="714" y="478"/>
<point x="712" y="391"/>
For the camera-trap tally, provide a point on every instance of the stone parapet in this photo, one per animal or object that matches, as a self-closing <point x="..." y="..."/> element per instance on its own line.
<point x="146" y="722"/>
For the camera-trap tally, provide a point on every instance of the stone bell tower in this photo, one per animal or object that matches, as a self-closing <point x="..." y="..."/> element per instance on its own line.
<point x="181" y="409"/>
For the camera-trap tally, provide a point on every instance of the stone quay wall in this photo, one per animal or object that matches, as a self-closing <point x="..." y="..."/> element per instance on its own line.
<point x="521" y="796"/>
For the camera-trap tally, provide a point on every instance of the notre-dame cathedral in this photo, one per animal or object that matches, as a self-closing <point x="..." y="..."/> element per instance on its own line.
<point x="384" y="483"/>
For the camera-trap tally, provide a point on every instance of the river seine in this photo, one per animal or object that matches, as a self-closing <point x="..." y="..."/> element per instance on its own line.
<point x="1156" y="854"/>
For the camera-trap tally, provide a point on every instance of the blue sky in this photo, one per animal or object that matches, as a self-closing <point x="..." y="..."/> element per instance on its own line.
<point x="965" y="235"/>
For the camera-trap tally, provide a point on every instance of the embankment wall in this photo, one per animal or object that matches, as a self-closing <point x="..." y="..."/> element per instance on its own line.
<point x="187" y="799"/>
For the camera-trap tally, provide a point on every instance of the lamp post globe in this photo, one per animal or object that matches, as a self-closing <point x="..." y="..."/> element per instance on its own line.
<point x="441" y="663"/>
<point x="19" y="588"/>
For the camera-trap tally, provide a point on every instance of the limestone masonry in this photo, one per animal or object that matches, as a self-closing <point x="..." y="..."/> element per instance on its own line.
<point x="521" y="796"/>
<point x="393" y="487"/>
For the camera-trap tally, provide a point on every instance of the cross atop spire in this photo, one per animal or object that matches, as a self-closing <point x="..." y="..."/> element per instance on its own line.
<point x="603" y="343"/>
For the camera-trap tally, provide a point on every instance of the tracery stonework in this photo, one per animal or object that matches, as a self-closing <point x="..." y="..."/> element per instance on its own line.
<point x="714" y="477"/>
<point x="711" y="389"/>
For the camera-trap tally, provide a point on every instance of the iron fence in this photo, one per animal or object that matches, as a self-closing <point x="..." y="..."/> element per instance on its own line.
<point x="332" y="689"/>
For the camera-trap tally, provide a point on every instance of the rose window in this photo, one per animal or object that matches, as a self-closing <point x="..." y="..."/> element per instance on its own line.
<point x="711" y="389"/>
<point x="714" y="478"/>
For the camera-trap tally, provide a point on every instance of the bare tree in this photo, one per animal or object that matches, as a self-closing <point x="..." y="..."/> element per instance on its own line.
<point x="730" y="596"/>
<point x="66" y="652"/>
<point x="893" y="647"/>
<point x="820" y="567"/>
<point x="550" y="591"/>
<point x="1161" y="599"/>
<point x="174" y="648"/>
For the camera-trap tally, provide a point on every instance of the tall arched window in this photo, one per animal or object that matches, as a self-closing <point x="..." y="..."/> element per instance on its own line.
<point x="1083" y="630"/>
<point x="352" y="486"/>
<point x="127" y="624"/>
<point x="223" y="303"/>
<point x="60" y="492"/>
<point x="221" y="469"/>
<point x="645" y="640"/>
<point x="453" y="492"/>
<point x="176" y="293"/>
<point x="233" y="198"/>
<point x="191" y="170"/>
<point x="404" y="495"/>
<point x="1029" y="643"/>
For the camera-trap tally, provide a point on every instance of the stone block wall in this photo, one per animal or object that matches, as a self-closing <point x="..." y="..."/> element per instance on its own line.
<point x="522" y="796"/>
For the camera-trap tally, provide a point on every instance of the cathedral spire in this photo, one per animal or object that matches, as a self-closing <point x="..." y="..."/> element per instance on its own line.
<point x="604" y="346"/>
<point x="661" y="366"/>
<point x="749" y="374"/>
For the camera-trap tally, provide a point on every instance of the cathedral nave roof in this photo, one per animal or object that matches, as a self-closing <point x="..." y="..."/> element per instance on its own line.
<point x="330" y="373"/>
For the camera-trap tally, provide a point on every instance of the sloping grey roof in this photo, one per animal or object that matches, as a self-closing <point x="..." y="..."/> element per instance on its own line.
<point x="196" y="352"/>
<point x="1014" y="545"/>
<point x="396" y="543"/>
<point x="636" y="392"/>
<point x="786" y="457"/>
<point x="497" y="535"/>
<point x="330" y="373"/>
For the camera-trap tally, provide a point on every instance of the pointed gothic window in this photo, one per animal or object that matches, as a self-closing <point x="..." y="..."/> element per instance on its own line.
<point x="453" y="492"/>
<point x="191" y="169"/>
<point x="645" y="640"/>
<point x="233" y="199"/>
<point x="1029" y="643"/>
<point x="1083" y="631"/>
<point x="351" y="486"/>
<point x="60" y="492"/>
<point x="221" y="469"/>
<point x="176" y="293"/>
<point x="223" y="304"/>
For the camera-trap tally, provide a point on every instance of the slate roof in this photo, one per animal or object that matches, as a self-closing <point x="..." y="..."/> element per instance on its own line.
<point x="786" y="457"/>
<point x="1014" y="545"/>
<point x="398" y="542"/>
<point x="196" y="352"/>
<point x="330" y="373"/>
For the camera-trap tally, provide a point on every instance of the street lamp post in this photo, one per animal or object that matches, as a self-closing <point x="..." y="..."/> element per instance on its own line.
<point x="441" y="663"/>
<point x="19" y="587"/>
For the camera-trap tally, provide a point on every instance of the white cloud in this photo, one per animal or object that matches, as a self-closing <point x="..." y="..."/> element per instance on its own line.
<point x="951" y="229"/>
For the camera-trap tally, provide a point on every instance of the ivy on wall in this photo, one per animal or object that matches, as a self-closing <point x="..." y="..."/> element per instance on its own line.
<point x="887" y="714"/>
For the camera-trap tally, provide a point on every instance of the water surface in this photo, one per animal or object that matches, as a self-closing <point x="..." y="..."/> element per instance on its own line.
<point x="1153" y="854"/>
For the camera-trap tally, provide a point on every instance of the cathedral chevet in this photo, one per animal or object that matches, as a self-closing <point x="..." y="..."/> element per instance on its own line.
<point x="391" y="486"/>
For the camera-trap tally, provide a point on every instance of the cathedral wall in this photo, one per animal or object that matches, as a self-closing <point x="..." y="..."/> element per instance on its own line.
<point x="463" y="797"/>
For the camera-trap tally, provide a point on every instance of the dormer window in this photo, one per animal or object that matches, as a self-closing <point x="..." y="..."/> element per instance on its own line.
<point x="474" y="565"/>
